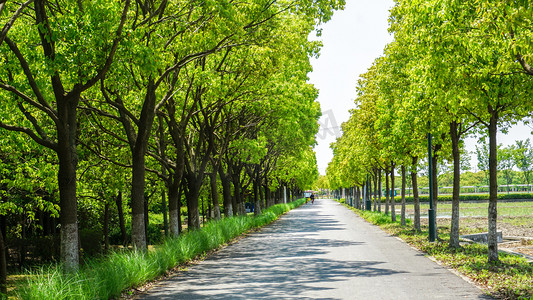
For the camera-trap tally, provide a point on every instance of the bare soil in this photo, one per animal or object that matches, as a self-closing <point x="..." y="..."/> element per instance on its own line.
<point x="507" y="225"/>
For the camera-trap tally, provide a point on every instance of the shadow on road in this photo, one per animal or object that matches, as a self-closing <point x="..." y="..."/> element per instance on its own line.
<point x="281" y="261"/>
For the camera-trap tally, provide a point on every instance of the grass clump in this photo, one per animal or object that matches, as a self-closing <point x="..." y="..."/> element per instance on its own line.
<point x="108" y="277"/>
<point x="510" y="278"/>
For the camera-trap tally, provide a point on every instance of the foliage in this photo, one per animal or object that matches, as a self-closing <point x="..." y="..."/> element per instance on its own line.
<point x="109" y="276"/>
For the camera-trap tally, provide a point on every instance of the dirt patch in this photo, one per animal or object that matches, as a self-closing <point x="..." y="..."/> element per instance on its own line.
<point x="509" y="226"/>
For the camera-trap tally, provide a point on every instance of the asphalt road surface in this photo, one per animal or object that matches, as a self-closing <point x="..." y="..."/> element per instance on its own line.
<point x="319" y="251"/>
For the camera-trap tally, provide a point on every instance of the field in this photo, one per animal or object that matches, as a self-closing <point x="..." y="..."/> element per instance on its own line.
<point x="515" y="220"/>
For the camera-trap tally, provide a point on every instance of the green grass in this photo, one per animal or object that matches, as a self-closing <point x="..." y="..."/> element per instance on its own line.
<point x="509" y="209"/>
<point x="108" y="277"/>
<point x="468" y="197"/>
<point x="511" y="278"/>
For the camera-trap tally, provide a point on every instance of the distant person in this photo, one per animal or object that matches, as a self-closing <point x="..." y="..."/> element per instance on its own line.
<point x="312" y="198"/>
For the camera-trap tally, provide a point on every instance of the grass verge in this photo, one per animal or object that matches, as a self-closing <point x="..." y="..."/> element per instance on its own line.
<point x="511" y="278"/>
<point x="107" y="277"/>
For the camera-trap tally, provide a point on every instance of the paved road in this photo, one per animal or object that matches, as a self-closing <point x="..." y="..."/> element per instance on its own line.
<point x="320" y="251"/>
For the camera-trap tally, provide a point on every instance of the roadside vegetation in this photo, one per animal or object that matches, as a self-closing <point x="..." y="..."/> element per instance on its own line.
<point x="113" y="274"/>
<point x="126" y="123"/>
<point x="454" y="70"/>
<point x="510" y="278"/>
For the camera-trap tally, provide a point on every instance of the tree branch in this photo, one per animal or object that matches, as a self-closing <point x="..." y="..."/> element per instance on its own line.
<point x="11" y="21"/>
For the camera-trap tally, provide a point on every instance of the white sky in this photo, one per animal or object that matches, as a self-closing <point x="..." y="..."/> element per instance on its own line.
<point x="352" y="40"/>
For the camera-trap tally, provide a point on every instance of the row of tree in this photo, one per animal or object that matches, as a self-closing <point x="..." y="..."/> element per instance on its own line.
<point x="454" y="68"/>
<point x="518" y="156"/>
<point x="105" y="91"/>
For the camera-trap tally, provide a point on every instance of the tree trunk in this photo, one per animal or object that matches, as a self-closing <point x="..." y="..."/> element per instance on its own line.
<point x="122" y="224"/>
<point x="237" y="193"/>
<point x="68" y="161"/>
<point x="454" y="231"/>
<point x="145" y="123"/>
<point x="393" y="208"/>
<point x="268" y="195"/>
<point x="226" y="193"/>
<point x="403" y="195"/>
<point x="164" y="211"/>
<point x="146" y="220"/>
<point x="387" y="191"/>
<point x="415" y="195"/>
<point x="214" y="194"/>
<point x="193" y="192"/>
<point x="377" y="189"/>
<point x="174" y="205"/>
<point x="493" y="186"/>
<point x="435" y="184"/>
<point x="262" y="196"/>
<point x="257" y="202"/>
<point x="370" y="192"/>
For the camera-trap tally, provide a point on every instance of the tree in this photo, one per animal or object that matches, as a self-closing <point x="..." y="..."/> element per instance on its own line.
<point x="506" y="163"/>
<point x="46" y="85"/>
<point x="523" y="158"/>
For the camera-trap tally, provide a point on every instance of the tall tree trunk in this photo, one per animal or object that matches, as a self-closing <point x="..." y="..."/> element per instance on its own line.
<point x="237" y="193"/>
<point x="122" y="224"/>
<point x="68" y="161"/>
<point x="403" y="195"/>
<point x="377" y="190"/>
<point x="257" y="203"/>
<point x="454" y="231"/>
<point x="174" y="200"/>
<point x="416" y="198"/>
<point x="393" y="208"/>
<point x="387" y="191"/>
<point x="493" y="187"/>
<point x="434" y="159"/>
<point x="214" y="194"/>
<point x="146" y="220"/>
<point x="268" y="194"/>
<point x="145" y="123"/>
<point x="193" y="192"/>
<point x="226" y="193"/>
<point x="164" y="211"/>
<point x="370" y="192"/>
<point x="262" y="196"/>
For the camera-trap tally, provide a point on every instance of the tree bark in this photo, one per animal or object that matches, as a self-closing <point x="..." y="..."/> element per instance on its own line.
<point x="122" y="224"/>
<point x="226" y="193"/>
<point x="192" y="194"/>
<point x="454" y="230"/>
<point x="416" y="199"/>
<point x="403" y="195"/>
<point x="434" y="159"/>
<point x="387" y="191"/>
<point x="146" y="220"/>
<point x="257" y="202"/>
<point x="173" y="207"/>
<point x="68" y="161"/>
<point x="214" y="194"/>
<point x="393" y="208"/>
<point x="493" y="186"/>
<point x="145" y="123"/>
<point x="377" y="188"/>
